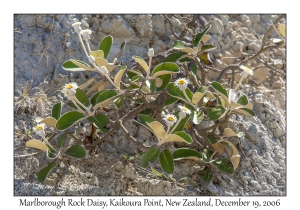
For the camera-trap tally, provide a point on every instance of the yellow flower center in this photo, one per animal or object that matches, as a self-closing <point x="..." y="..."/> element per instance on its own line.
<point x="170" y="118"/>
<point x="39" y="127"/>
<point x="181" y="82"/>
<point x="69" y="86"/>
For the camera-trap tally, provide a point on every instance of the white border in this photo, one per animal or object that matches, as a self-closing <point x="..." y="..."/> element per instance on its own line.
<point x="150" y="7"/>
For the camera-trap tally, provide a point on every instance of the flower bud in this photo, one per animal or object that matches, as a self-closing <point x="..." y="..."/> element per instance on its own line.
<point x="151" y="52"/>
<point x="77" y="27"/>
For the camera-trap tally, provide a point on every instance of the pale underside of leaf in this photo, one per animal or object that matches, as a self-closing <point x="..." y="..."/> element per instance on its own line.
<point x="235" y="105"/>
<point x="82" y="65"/>
<point x="49" y="121"/>
<point x="86" y="84"/>
<point x="111" y="67"/>
<point x="281" y="28"/>
<point x="220" y="148"/>
<point x="158" y="81"/>
<point x="97" y="53"/>
<point x="142" y="63"/>
<point x="100" y="85"/>
<point x="163" y="72"/>
<point x="37" y="144"/>
<point x="187" y="49"/>
<point x="101" y="62"/>
<point x="157" y="128"/>
<point x="210" y="95"/>
<point x="190" y="158"/>
<point x="205" y="38"/>
<point x="103" y="103"/>
<point x="173" y="138"/>
<point x="197" y="97"/>
<point x="119" y="76"/>
<point x="228" y="133"/>
<point x="243" y="112"/>
<point x="235" y="161"/>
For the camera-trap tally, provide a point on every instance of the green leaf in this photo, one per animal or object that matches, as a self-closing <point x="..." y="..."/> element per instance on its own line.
<point x="166" y="161"/>
<point x="144" y="119"/>
<point x="99" y="120"/>
<point x="165" y="68"/>
<point x="204" y="58"/>
<point x="228" y="147"/>
<point x="219" y="88"/>
<point x="105" y="95"/>
<point x="197" y="117"/>
<point x="106" y="44"/>
<point x="207" y="174"/>
<point x="119" y="101"/>
<point x="243" y="100"/>
<point x="95" y="96"/>
<point x="134" y="75"/>
<point x="123" y="45"/>
<point x="185" y="136"/>
<point x="194" y="69"/>
<point x="171" y="100"/>
<point x="82" y="97"/>
<point x="183" y="153"/>
<point x="50" y="148"/>
<point x="150" y="156"/>
<point x="215" y="113"/>
<point x="178" y="44"/>
<point x="177" y="93"/>
<point x="61" y="141"/>
<point x="51" y="155"/>
<point x="133" y="87"/>
<point x="199" y="36"/>
<point x="76" y="65"/>
<point x="56" y="111"/>
<point x="206" y="155"/>
<point x="207" y="48"/>
<point x="152" y="85"/>
<point x="68" y="119"/>
<point x="224" y="165"/>
<point x="45" y="171"/>
<point x="212" y="139"/>
<point x="175" y="56"/>
<point x="202" y="89"/>
<point x="181" y="124"/>
<point x="165" y="81"/>
<point x="76" y="151"/>
<point x="249" y="111"/>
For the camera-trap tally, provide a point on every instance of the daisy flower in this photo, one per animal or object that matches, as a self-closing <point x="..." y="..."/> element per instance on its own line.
<point x="70" y="90"/>
<point x="77" y="27"/>
<point x="170" y="119"/>
<point x="86" y="34"/>
<point x="181" y="83"/>
<point x="183" y="111"/>
<point x="39" y="129"/>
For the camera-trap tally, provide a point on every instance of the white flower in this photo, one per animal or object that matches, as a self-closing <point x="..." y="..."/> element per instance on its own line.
<point x="86" y="34"/>
<point x="181" y="83"/>
<point x="77" y="27"/>
<point x="103" y="70"/>
<point x="70" y="90"/>
<point x="151" y="52"/>
<point x="183" y="111"/>
<point x="39" y="129"/>
<point x="246" y="71"/>
<point x="170" y="119"/>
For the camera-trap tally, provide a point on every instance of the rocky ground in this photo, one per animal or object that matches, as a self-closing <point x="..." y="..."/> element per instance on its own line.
<point x="43" y="42"/>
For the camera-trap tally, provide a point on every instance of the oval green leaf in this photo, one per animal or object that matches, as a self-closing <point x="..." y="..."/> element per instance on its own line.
<point x="183" y="153"/>
<point x="45" y="171"/>
<point x="224" y="165"/>
<point x="215" y="113"/>
<point x="99" y="120"/>
<point x="166" y="161"/>
<point x="106" y="44"/>
<point x="165" y="68"/>
<point x="175" y="56"/>
<point x="150" y="156"/>
<point x="82" y="97"/>
<point x="199" y="36"/>
<point x="75" y="65"/>
<point x="61" y="141"/>
<point x="106" y="94"/>
<point x="56" y="110"/>
<point x="68" y="119"/>
<point x="76" y="151"/>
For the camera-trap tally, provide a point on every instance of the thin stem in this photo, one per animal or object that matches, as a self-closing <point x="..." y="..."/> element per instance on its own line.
<point x="88" y="45"/>
<point x="237" y="86"/>
<point x="189" y="102"/>
<point x="176" y="124"/>
<point x="82" y="45"/>
<point x="150" y="61"/>
<point x="77" y="106"/>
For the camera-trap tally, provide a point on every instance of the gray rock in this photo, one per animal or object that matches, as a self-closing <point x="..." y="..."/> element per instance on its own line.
<point x="217" y="28"/>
